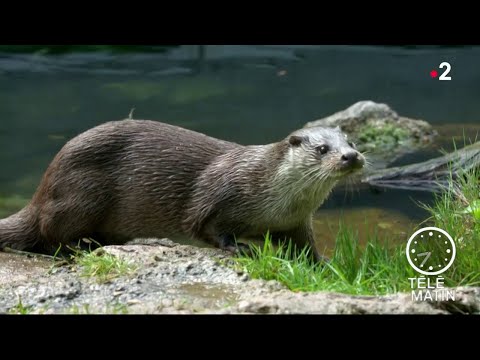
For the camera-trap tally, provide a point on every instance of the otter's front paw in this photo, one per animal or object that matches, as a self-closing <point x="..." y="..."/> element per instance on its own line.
<point x="229" y="243"/>
<point x="239" y="249"/>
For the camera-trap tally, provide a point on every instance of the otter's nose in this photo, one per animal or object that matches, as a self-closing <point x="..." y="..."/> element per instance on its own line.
<point x="350" y="156"/>
<point x="352" y="159"/>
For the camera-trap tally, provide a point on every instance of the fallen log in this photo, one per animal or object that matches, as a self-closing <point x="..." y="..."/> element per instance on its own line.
<point x="433" y="175"/>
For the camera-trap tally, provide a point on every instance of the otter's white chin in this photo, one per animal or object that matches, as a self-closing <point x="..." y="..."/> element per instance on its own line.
<point x="347" y="172"/>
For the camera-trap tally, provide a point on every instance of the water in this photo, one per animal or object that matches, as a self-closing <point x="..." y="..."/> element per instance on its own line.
<point x="246" y="94"/>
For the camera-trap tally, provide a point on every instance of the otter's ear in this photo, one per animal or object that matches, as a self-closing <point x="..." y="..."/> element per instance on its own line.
<point x="296" y="140"/>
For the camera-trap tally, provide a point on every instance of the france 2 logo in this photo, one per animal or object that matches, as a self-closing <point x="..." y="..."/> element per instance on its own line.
<point x="443" y="76"/>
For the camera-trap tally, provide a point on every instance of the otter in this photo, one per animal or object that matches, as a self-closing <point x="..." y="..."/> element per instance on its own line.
<point x="132" y="179"/>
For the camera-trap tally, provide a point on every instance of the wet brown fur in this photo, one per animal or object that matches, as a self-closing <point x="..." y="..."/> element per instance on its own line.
<point x="139" y="178"/>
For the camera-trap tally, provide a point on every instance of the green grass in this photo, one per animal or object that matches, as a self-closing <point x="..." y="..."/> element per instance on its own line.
<point x="375" y="269"/>
<point x="116" y="308"/>
<point x="378" y="268"/>
<point x="101" y="265"/>
<point x="456" y="211"/>
<point x="20" y="308"/>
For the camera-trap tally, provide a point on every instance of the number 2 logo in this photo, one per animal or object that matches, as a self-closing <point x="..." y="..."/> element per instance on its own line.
<point x="447" y="70"/>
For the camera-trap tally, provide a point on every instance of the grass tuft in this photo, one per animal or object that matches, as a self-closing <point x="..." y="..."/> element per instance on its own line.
<point x="20" y="308"/>
<point x="101" y="265"/>
<point x="116" y="308"/>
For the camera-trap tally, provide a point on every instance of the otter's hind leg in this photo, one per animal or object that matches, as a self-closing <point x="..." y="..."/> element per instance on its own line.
<point x="66" y="222"/>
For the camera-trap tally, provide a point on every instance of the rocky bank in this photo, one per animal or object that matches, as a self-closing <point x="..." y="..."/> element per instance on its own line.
<point x="173" y="278"/>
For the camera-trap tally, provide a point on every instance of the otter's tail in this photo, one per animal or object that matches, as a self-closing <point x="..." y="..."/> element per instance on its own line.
<point x="19" y="231"/>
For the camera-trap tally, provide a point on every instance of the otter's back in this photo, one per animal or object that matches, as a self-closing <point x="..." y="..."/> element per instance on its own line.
<point x="137" y="174"/>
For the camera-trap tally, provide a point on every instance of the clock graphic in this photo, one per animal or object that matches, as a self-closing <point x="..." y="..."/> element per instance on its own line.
<point x="430" y="251"/>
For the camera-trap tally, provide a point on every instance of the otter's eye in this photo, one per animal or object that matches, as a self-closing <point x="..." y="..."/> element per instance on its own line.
<point x="323" y="149"/>
<point x="352" y="145"/>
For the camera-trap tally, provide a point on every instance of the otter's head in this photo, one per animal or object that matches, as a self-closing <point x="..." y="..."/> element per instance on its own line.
<point x="326" y="151"/>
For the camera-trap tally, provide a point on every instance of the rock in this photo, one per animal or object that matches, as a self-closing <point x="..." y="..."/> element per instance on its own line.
<point x="286" y="302"/>
<point x="174" y="285"/>
<point x="380" y="131"/>
<point x="153" y="242"/>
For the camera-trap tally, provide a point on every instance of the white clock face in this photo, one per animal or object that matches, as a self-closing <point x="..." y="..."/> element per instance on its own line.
<point x="430" y="251"/>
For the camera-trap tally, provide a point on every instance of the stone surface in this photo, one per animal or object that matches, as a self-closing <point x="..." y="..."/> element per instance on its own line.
<point x="171" y="278"/>
<point x="380" y="131"/>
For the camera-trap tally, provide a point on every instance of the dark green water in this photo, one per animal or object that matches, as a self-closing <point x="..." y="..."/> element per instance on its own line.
<point x="247" y="94"/>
